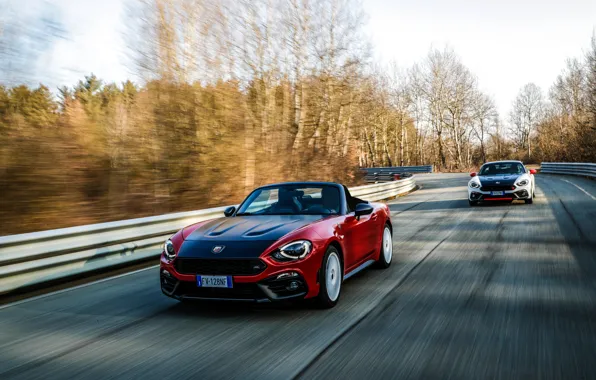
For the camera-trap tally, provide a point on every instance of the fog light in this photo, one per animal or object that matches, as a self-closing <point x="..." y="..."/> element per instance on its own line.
<point x="258" y="267"/>
<point x="166" y="273"/>
<point x="287" y="275"/>
<point x="293" y="286"/>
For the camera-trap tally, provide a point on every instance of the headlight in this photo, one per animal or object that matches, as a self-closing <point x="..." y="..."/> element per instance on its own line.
<point x="474" y="184"/>
<point x="295" y="250"/>
<point x="168" y="249"/>
<point x="523" y="182"/>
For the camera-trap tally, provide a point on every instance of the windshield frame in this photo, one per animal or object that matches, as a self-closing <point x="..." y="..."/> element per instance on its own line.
<point x="296" y="185"/>
<point x="502" y="163"/>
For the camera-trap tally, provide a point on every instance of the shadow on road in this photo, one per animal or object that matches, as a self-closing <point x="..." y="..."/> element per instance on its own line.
<point x="449" y="204"/>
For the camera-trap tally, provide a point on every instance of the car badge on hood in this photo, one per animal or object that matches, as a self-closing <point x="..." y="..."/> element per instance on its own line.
<point x="218" y="248"/>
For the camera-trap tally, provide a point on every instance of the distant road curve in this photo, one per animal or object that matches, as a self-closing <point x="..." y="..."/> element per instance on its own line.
<point x="497" y="291"/>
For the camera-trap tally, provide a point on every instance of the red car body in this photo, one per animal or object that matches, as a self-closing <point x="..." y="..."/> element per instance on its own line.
<point x="357" y="238"/>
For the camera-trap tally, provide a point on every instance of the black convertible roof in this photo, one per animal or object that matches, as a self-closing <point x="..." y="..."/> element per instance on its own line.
<point x="504" y="162"/>
<point x="304" y="183"/>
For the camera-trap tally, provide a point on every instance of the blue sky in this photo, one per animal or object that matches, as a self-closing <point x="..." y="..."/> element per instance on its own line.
<point x="506" y="43"/>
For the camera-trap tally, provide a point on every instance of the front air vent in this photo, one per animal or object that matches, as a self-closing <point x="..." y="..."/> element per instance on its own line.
<point x="229" y="267"/>
<point x="497" y="188"/>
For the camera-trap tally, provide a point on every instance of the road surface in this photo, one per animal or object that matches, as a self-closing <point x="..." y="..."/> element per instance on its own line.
<point x="499" y="291"/>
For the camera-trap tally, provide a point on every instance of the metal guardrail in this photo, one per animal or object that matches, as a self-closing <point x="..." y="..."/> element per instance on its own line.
<point x="569" y="168"/>
<point x="385" y="174"/>
<point x="402" y="169"/>
<point x="37" y="258"/>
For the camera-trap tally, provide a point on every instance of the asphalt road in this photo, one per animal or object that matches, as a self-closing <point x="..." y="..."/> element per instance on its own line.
<point x="499" y="291"/>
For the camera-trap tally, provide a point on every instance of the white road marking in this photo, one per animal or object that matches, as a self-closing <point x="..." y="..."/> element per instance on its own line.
<point x="582" y="189"/>
<point x="74" y="288"/>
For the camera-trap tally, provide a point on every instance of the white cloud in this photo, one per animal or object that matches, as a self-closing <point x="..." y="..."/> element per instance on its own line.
<point x="506" y="43"/>
<point x="92" y="39"/>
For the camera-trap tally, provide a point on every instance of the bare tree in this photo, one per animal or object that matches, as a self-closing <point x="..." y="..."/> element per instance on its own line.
<point x="443" y="99"/>
<point x="484" y="116"/>
<point x="402" y="103"/>
<point x="528" y="108"/>
<point x="591" y="81"/>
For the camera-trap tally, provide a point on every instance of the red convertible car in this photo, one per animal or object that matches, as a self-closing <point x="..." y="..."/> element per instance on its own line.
<point x="284" y="242"/>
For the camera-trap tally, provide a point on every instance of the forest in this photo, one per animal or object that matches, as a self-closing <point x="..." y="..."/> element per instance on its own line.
<point x="235" y="94"/>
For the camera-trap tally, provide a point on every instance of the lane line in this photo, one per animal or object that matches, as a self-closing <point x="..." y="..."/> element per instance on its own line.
<point x="75" y="287"/>
<point x="383" y="304"/>
<point x="581" y="188"/>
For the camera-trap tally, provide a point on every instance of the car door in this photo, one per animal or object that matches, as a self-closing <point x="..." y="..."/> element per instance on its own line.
<point x="359" y="236"/>
<point x="376" y="231"/>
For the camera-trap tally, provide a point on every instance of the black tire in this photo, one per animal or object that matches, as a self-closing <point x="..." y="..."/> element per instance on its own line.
<point x="472" y="203"/>
<point x="382" y="263"/>
<point x="530" y="201"/>
<point x="323" y="300"/>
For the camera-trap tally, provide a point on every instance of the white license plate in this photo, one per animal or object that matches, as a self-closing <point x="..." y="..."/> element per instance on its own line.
<point x="497" y="193"/>
<point x="214" y="281"/>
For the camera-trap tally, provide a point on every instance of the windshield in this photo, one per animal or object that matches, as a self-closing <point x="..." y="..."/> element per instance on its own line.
<point x="502" y="168"/>
<point x="292" y="200"/>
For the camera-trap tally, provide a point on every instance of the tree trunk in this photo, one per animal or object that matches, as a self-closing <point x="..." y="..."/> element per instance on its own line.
<point x="250" y="155"/>
<point x="401" y="146"/>
<point x="407" y="152"/>
<point x="300" y="116"/>
<point x="442" y="157"/>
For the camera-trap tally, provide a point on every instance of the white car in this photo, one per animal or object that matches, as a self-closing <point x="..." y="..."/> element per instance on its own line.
<point x="501" y="181"/>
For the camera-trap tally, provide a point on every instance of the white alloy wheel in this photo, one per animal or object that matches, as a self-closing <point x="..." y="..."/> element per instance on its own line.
<point x="387" y="245"/>
<point x="333" y="276"/>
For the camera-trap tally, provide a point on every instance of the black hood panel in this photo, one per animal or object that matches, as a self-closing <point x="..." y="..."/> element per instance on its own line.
<point x="503" y="179"/>
<point x="231" y="249"/>
<point x="241" y="236"/>
<point x="254" y="227"/>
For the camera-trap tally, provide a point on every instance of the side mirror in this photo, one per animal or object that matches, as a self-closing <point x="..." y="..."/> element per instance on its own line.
<point x="229" y="211"/>
<point x="473" y="174"/>
<point x="363" y="209"/>
<point x="533" y="171"/>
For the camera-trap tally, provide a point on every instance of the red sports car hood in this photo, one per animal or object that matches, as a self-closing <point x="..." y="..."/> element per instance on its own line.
<point x="241" y="236"/>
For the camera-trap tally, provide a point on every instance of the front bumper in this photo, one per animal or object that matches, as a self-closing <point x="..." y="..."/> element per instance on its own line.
<point x="520" y="193"/>
<point x="275" y="283"/>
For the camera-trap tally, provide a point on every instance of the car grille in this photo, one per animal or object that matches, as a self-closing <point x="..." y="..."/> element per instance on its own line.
<point x="497" y="188"/>
<point x="230" y="267"/>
